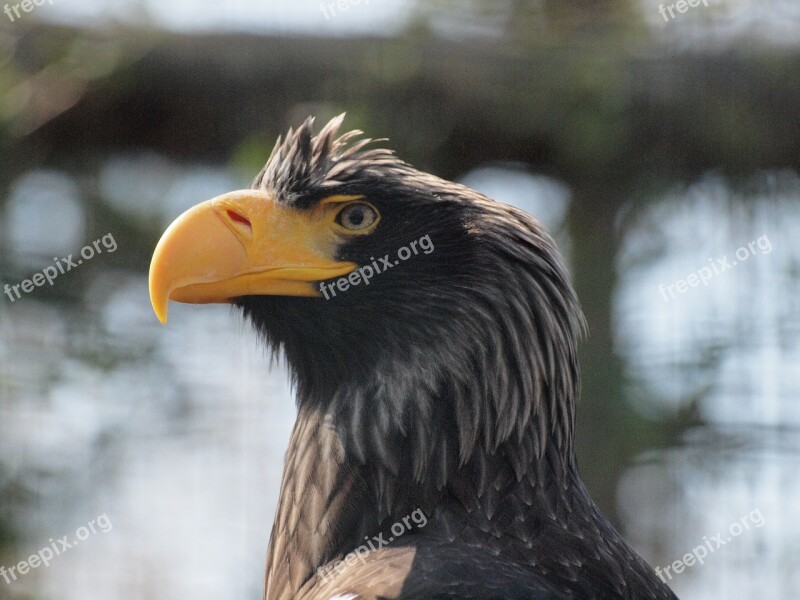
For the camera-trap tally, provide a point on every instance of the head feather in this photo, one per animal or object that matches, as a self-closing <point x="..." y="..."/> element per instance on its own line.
<point x="303" y="162"/>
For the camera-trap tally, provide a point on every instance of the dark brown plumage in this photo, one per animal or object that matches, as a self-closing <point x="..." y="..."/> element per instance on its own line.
<point x="446" y="385"/>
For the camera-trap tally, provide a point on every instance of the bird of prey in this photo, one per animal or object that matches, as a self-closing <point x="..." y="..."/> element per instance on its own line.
<point x="431" y="336"/>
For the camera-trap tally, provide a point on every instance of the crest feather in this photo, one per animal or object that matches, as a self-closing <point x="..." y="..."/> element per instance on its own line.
<point x="303" y="162"/>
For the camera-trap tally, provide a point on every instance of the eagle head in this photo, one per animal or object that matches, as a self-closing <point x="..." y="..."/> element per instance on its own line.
<point x="390" y="288"/>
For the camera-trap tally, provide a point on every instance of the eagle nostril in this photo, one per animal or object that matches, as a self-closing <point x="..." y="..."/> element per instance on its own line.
<point x="240" y="220"/>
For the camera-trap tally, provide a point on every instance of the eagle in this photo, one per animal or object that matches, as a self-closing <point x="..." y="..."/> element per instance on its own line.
<point x="431" y="336"/>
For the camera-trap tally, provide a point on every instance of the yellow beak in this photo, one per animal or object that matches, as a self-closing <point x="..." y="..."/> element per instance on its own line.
<point x="242" y="244"/>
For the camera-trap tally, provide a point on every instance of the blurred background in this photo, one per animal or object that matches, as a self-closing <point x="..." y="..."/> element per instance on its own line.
<point x="657" y="144"/>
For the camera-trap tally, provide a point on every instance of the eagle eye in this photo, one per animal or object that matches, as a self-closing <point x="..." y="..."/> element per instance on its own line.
<point x="357" y="216"/>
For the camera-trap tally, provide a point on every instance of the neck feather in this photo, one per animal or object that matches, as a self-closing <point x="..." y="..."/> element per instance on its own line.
<point x="476" y="410"/>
